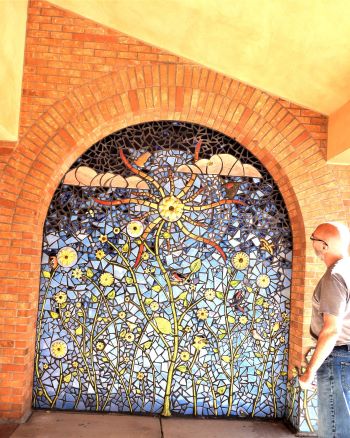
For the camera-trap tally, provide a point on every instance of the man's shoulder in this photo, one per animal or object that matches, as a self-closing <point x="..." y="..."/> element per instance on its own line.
<point x="341" y="267"/>
<point x="341" y="271"/>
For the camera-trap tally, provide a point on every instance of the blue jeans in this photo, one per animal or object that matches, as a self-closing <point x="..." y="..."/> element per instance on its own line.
<point x="333" y="385"/>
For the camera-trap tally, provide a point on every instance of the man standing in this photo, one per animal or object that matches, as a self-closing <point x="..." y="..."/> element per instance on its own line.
<point x="330" y="326"/>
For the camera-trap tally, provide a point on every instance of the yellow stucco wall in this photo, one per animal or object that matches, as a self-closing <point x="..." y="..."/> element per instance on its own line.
<point x="13" y="17"/>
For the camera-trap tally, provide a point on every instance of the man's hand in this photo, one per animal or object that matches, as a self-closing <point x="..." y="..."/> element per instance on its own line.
<point x="306" y="380"/>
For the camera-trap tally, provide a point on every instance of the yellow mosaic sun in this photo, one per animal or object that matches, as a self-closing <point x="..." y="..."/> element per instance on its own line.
<point x="106" y="279"/>
<point x="240" y="261"/>
<point x="67" y="257"/>
<point x="171" y="208"/>
<point x="58" y="349"/>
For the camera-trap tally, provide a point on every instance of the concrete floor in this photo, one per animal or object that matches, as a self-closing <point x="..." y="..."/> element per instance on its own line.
<point x="45" y="424"/>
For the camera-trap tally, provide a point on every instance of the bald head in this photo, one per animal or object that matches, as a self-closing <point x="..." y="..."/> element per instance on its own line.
<point x="337" y="236"/>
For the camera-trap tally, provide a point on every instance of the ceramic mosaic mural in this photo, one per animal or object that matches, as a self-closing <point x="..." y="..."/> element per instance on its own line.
<point x="165" y="279"/>
<point x="302" y="404"/>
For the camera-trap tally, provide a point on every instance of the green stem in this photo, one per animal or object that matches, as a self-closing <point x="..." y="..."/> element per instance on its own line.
<point x="59" y="385"/>
<point x="166" y="407"/>
<point x="39" y="337"/>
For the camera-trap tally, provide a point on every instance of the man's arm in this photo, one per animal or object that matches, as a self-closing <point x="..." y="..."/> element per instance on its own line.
<point x="325" y="344"/>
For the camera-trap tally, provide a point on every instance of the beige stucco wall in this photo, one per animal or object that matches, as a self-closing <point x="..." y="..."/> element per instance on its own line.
<point x="13" y="17"/>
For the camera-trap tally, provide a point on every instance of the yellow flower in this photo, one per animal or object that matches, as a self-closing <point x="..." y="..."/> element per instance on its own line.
<point x="67" y="314"/>
<point x="266" y="305"/>
<point x="103" y="238"/>
<point x="263" y="281"/>
<point x="75" y="364"/>
<point x="77" y="273"/>
<point x="100" y="254"/>
<point x="154" y="306"/>
<point x="100" y="345"/>
<point x="58" y="349"/>
<point x="129" y="337"/>
<point x="140" y="375"/>
<point x="134" y="228"/>
<point x="78" y="305"/>
<point x="187" y="329"/>
<point x="185" y="356"/>
<point x="209" y="294"/>
<point x="260" y="301"/>
<point x="240" y="261"/>
<point x="202" y="314"/>
<point x="116" y="230"/>
<point x="145" y="256"/>
<point x="243" y="319"/>
<point x="67" y="257"/>
<point x="171" y="208"/>
<point x="60" y="297"/>
<point x="127" y="299"/>
<point x="106" y="279"/>
<point x="122" y="315"/>
<point x="46" y="366"/>
<point x="282" y="340"/>
<point x="200" y="342"/>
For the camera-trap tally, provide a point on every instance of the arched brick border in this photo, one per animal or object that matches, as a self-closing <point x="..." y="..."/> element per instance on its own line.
<point x="174" y="92"/>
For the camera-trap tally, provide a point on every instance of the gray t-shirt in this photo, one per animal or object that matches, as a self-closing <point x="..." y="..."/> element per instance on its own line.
<point x="332" y="296"/>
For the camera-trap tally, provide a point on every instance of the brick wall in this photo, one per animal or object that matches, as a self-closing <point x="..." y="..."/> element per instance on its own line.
<point x="83" y="81"/>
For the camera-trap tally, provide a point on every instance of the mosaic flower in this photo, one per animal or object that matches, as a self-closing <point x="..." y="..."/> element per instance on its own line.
<point x="209" y="294"/>
<point x="75" y="364"/>
<point x="67" y="257"/>
<point x="154" y="306"/>
<point x="106" y="279"/>
<point x="116" y="230"/>
<point x="58" y="349"/>
<point x="100" y="345"/>
<point x="134" y="228"/>
<point x="202" y="314"/>
<point x="243" y="319"/>
<point x="140" y="375"/>
<point x="46" y="366"/>
<point x="103" y="238"/>
<point x="240" y="261"/>
<point x="122" y="315"/>
<point x="60" y="297"/>
<point x="199" y="342"/>
<point x="185" y="356"/>
<point x="263" y="281"/>
<point x="77" y="273"/>
<point x="100" y="254"/>
<point x="129" y="337"/>
<point x="282" y="340"/>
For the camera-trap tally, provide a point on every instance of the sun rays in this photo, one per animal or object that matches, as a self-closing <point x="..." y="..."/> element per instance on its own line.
<point x="164" y="207"/>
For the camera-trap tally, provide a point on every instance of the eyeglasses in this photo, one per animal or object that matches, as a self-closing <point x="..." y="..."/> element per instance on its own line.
<point x="318" y="240"/>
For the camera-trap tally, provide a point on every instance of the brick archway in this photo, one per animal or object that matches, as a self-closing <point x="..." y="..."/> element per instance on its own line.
<point x="258" y="121"/>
